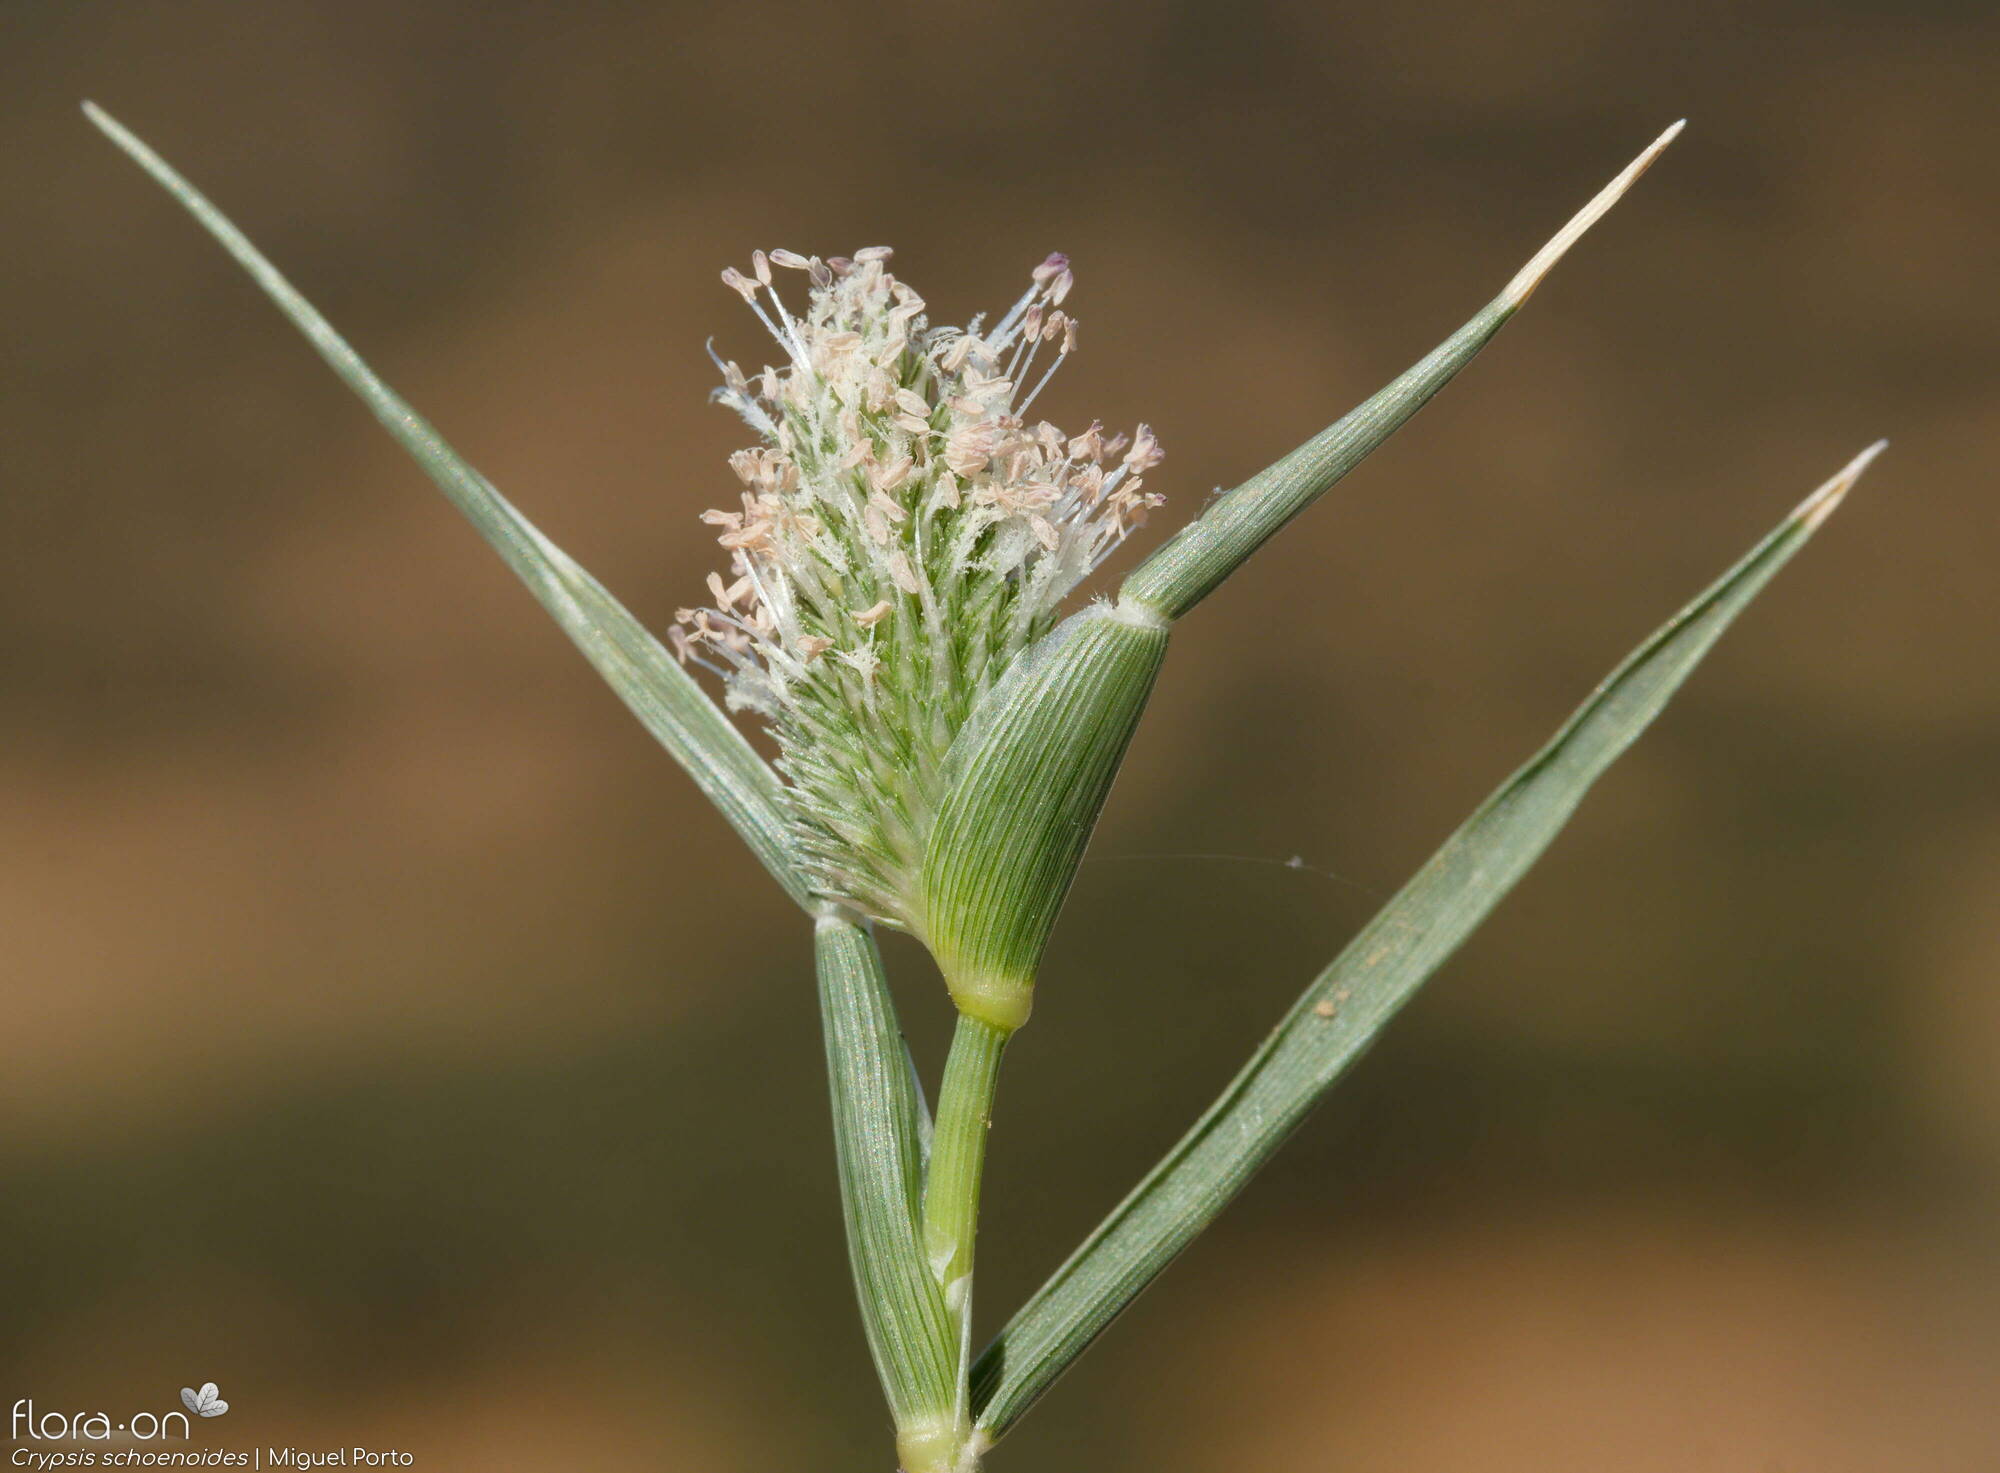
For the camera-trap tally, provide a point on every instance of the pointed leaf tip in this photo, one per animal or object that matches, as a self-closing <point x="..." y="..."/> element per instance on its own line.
<point x="1530" y="276"/>
<point x="1817" y="507"/>
<point x="1190" y="565"/>
<point x="113" y="128"/>
<point x="638" y="668"/>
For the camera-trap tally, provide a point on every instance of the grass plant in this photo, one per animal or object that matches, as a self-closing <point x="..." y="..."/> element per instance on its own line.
<point x="895" y="609"/>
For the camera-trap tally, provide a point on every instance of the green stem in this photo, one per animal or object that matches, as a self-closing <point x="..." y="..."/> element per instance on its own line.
<point x="958" y="1147"/>
<point x="958" y="1155"/>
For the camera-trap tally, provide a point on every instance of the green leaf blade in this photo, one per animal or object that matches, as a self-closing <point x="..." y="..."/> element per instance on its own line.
<point x="1196" y="559"/>
<point x="643" y="673"/>
<point x="879" y="1128"/>
<point x="1347" y="1005"/>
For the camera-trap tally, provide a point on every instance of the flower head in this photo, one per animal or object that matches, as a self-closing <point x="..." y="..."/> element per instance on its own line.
<point x="903" y="533"/>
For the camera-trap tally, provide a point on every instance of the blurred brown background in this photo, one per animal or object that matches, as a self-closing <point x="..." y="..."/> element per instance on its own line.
<point x="393" y="1037"/>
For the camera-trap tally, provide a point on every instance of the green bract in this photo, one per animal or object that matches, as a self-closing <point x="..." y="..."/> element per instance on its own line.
<point x="904" y="544"/>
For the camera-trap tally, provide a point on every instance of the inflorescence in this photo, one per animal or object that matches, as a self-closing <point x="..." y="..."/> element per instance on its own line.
<point x="904" y="533"/>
